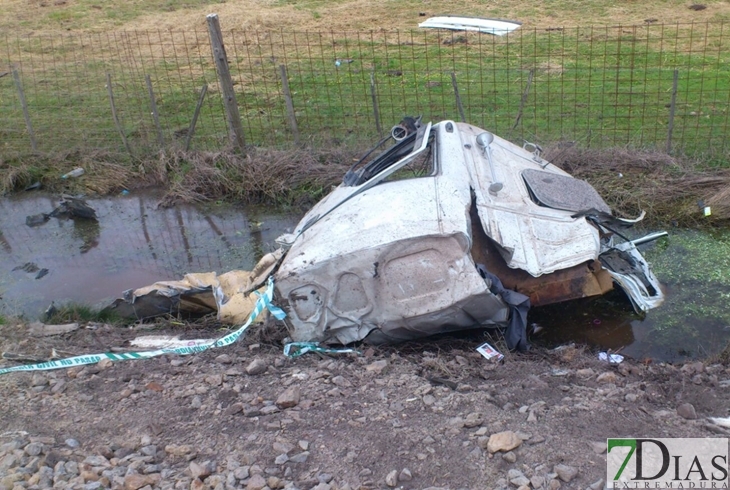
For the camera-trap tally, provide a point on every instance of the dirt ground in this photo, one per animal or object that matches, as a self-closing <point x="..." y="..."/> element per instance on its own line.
<point x="415" y="416"/>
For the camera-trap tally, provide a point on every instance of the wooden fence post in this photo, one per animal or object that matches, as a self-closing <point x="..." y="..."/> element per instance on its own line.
<point x="114" y="113"/>
<point x="155" y="115"/>
<point x="26" y="114"/>
<point x="289" y="104"/>
<point x="233" y="118"/>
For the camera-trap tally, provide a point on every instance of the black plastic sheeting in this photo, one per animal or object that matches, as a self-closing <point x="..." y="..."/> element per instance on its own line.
<point x="516" y="332"/>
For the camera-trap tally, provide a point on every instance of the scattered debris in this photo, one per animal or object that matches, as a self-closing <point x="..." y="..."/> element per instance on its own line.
<point x="77" y="172"/>
<point x="489" y="352"/>
<point x="38" y="329"/>
<point x="73" y="207"/>
<point x="37" y="219"/>
<point x="610" y="358"/>
<point x="486" y="26"/>
<point x="199" y="294"/>
<point x="697" y="6"/>
<point x="29" y="267"/>
<point x="34" y="186"/>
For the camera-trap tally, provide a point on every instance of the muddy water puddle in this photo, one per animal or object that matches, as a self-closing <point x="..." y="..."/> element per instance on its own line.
<point x="133" y="244"/>
<point x="136" y="243"/>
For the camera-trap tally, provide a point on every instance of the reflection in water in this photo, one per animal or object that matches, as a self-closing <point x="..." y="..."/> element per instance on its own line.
<point x="133" y="244"/>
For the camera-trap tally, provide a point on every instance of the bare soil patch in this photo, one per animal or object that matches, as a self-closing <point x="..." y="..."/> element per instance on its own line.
<point x="427" y="408"/>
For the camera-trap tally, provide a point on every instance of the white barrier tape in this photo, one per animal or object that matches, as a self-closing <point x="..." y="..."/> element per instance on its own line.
<point x="262" y="303"/>
<point x="296" y="349"/>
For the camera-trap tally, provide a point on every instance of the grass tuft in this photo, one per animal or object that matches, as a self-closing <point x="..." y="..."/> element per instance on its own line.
<point x="82" y="313"/>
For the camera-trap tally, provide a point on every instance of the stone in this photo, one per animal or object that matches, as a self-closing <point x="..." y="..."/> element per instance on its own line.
<point x="234" y="408"/>
<point x="257" y="366"/>
<point x="135" y="481"/>
<point x="201" y="470"/>
<point x="503" y="441"/>
<point x="224" y="359"/>
<point x="554" y="484"/>
<point x="105" y="363"/>
<point x="176" y="450"/>
<point x="256" y="482"/>
<point x="300" y="458"/>
<point x="281" y="459"/>
<point x="405" y="475"/>
<point x="509" y="456"/>
<point x="72" y="443"/>
<point x="597" y="485"/>
<point x="517" y="478"/>
<point x="241" y="473"/>
<point x="377" y="367"/>
<point x="341" y="381"/>
<point x="598" y="447"/>
<point x="474" y="419"/>
<point x="537" y="481"/>
<point x="33" y="449"/>
<point x="391" y="478"/>
<point x="289" y="398"/>
<point x="565" y="472"/>
<point x="607" y="377"/>
<point x="585" y="373"/>
<point x="687" y="411"/>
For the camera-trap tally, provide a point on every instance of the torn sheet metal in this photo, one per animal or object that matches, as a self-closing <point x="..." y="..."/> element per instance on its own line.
<point x="229" y="294"/>
<point x="391" y="253"/>
<point x="497" y="27"/>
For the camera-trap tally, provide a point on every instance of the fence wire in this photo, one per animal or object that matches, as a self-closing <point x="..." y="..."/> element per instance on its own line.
<point x="664" y="87"/>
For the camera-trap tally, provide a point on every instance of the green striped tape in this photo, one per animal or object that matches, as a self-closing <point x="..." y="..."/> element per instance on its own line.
<point x="296" y="349"/>
<point x="263" y="302"/>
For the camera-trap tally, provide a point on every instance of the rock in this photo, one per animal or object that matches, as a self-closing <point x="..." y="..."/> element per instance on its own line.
<point x="607" y="377"/>
<point x="585" y="373"/>
<point x="554" y="484"/>
<point x="687" y="411"/>
<point x="391" y="478"/>
<point x="201" y="470"/>
<point x="532" y="418"/>
<point x="509" y="456"/>
<point x="176" y="450"/>
<point x="241" y="473"/>
<point x="474" y="419"/>
<point x="281" y="459"/>
<point x="105" y="363"/>
<point x="631" y="397"/>
<point x="234" y="408"/>
<point x="38" y="380"/>
<point x="598" y="447"/>
<point x="537" y="481"/>
<point x="597" y="485"/>
<point x="517" y="478"/>
<point x="405" y="475"/>
<point x="135" y="481"/>
<point x="377" y="367"/>
<point x="303" y="445"/>
<point x="300" y="458"/>
<point x="33" y="449"/>
<point x="224" y="359"/>
<point x="289" y="398"/>
<point x="503" y="441"/>
<point x="341" y="381"/>
<point x="257" y="366"/>
<point x="72" y="443"/>
<point x="565" y="472"/>
<point x="256" y="482"/>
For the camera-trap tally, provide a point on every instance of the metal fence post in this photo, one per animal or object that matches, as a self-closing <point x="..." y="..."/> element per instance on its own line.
<point x="26" y="114"/>
<point x="233" y="118"/>
<point x="374" y="97"/>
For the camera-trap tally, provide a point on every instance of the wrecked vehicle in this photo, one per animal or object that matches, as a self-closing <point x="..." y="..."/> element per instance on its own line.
<point x="451" y="228"/>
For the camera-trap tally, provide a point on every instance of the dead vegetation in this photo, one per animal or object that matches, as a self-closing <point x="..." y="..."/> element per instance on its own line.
<point x="669" y="189"/>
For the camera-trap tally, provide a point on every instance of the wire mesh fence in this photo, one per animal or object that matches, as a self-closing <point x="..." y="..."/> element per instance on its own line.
<point x="664" y="87"/>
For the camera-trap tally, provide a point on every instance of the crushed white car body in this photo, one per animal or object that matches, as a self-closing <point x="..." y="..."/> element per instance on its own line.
<point x="451" y="228"/>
